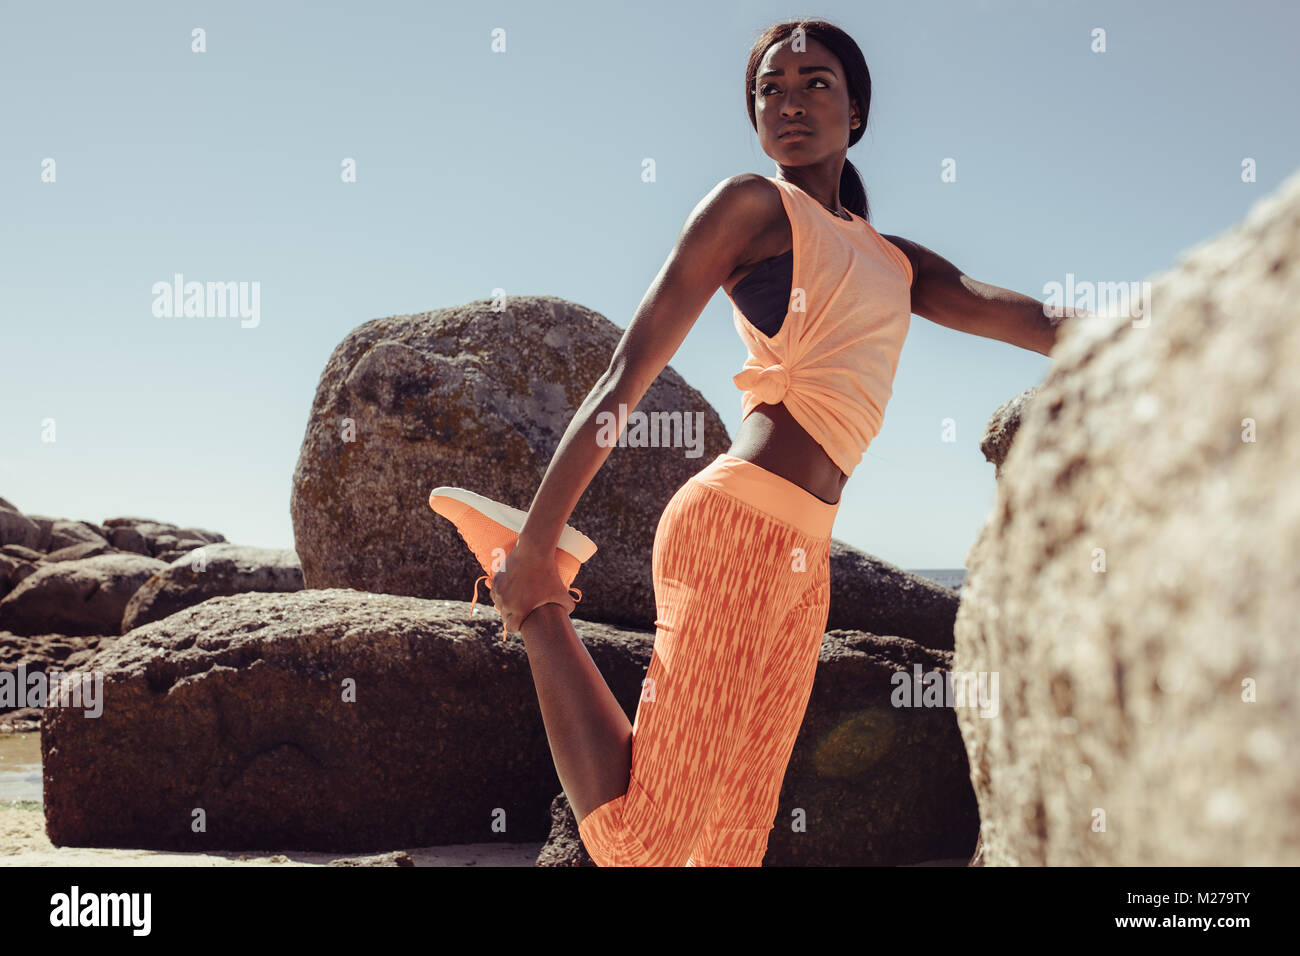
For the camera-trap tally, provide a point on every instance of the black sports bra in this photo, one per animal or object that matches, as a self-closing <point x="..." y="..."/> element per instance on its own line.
<point x="764" y="295"/>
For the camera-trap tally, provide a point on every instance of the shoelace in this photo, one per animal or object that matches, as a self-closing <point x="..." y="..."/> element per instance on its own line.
<point x="474" y="603"/>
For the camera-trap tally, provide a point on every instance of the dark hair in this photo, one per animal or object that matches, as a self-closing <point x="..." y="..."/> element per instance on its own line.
<point x="853" y="195"/>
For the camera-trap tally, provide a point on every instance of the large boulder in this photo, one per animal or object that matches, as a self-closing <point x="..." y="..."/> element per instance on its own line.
<point x="874" y="596"/>
<point x="9" y="567"/>
<point x="75" y="552"/>
<point x="317" y="720"/>
<point x="211" y="571"/>
<point x="477" y="398"/>
<point x="65" y="533"/>
<point x="1136" y="583"/>
<point x="84" y="597"/>
<point x="13" y="568"/>
<point x="18" y="529"/>
<point x="18" y="551"/>
<point x="876" y="778"/>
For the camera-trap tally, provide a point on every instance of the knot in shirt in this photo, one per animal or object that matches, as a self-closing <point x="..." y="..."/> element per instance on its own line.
<point x="768" y="384"/>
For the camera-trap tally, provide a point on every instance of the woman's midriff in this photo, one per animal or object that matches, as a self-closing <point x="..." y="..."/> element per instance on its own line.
<point x="771" y="438"/>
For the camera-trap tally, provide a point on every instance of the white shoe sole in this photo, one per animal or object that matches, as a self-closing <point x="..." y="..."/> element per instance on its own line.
<point x="571" y="539"/>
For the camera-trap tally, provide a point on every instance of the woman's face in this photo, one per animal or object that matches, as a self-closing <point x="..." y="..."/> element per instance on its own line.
<point x="816" y="99"/>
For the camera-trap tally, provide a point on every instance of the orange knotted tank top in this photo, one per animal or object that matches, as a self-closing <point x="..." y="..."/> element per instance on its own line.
<point x="832" y="361"/>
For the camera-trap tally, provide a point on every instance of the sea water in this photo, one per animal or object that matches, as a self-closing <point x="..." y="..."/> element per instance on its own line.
<point x="948" y="577"/>
<point x="20" y="767"/>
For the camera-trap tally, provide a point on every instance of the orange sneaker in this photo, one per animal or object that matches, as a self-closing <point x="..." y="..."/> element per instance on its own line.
<point x="491" y="529"/>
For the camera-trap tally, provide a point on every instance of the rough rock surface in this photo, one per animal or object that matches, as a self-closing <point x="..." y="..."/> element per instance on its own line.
<point x="211" y="571"/>
<point x="563" y="846"/>
<point x="64" y="534"/>
<point x="1136" y="583"/>
<point x="83" y="597"/>
<point x="18" y="529"/>
<point x="321" y="719"/>
<point x="75" y="552"/>
<point x="18" y="551"/>
<point x="1002" y="427"/>
<point x="874" y="596"/>
<point x="237" y="706"/>
<point x="25" y="655"/>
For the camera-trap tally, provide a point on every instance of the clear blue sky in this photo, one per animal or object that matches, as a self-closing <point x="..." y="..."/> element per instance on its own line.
<point x="522" y="171"/>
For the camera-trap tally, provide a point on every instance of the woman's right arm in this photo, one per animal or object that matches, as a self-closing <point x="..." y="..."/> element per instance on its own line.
<point x="715" y="240"/>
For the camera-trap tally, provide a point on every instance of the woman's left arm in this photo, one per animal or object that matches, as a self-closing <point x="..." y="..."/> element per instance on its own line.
<point x="945" y="295"/>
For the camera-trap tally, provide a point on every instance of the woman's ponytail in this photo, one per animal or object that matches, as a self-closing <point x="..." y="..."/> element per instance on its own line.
<point x="853" y="195"/>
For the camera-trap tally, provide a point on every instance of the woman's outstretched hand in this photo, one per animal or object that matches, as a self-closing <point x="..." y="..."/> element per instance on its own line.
<point x="528" y="579"/>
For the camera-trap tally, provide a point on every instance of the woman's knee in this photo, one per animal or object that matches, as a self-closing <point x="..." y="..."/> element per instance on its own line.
<point x="613" y="838"/>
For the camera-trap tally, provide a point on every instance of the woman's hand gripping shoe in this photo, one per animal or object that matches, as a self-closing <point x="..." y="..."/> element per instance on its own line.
<point x="491" y="529"/>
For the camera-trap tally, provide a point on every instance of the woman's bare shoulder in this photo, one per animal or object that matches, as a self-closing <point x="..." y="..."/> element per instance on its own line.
<point x="752" y="208"/>
<point x="749" y="195"/>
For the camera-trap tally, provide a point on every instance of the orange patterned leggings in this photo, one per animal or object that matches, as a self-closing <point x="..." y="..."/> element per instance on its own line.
<point x="742" y="586"/>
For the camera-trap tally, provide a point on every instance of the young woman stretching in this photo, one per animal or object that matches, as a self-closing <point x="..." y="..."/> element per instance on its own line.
<point x="741" y="558"/>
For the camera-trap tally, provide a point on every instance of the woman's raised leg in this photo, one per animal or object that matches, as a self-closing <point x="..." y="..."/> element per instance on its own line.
<point x="590" y="736"/>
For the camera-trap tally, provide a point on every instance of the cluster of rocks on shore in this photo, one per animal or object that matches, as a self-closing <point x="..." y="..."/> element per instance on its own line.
<point x="1133" y="588"/>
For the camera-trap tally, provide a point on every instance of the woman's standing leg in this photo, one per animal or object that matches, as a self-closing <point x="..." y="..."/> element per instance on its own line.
<point x="720" y="588"/>
<point x="743" y="815"/>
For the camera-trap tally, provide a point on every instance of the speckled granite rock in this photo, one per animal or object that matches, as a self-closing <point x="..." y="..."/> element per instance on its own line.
<point x="874" y="596"/>
<point x="1002" y="426"/>
<point x="80" y="597"/>
<point x="1137" y="583"/>
<point x="314" y="720"/>
<point x="28" y="654"/>
<point x="211" y="571"/>
<point x="469" y="397"/>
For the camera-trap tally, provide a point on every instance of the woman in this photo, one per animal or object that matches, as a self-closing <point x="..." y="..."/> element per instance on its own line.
<point x="742" y="551"/>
